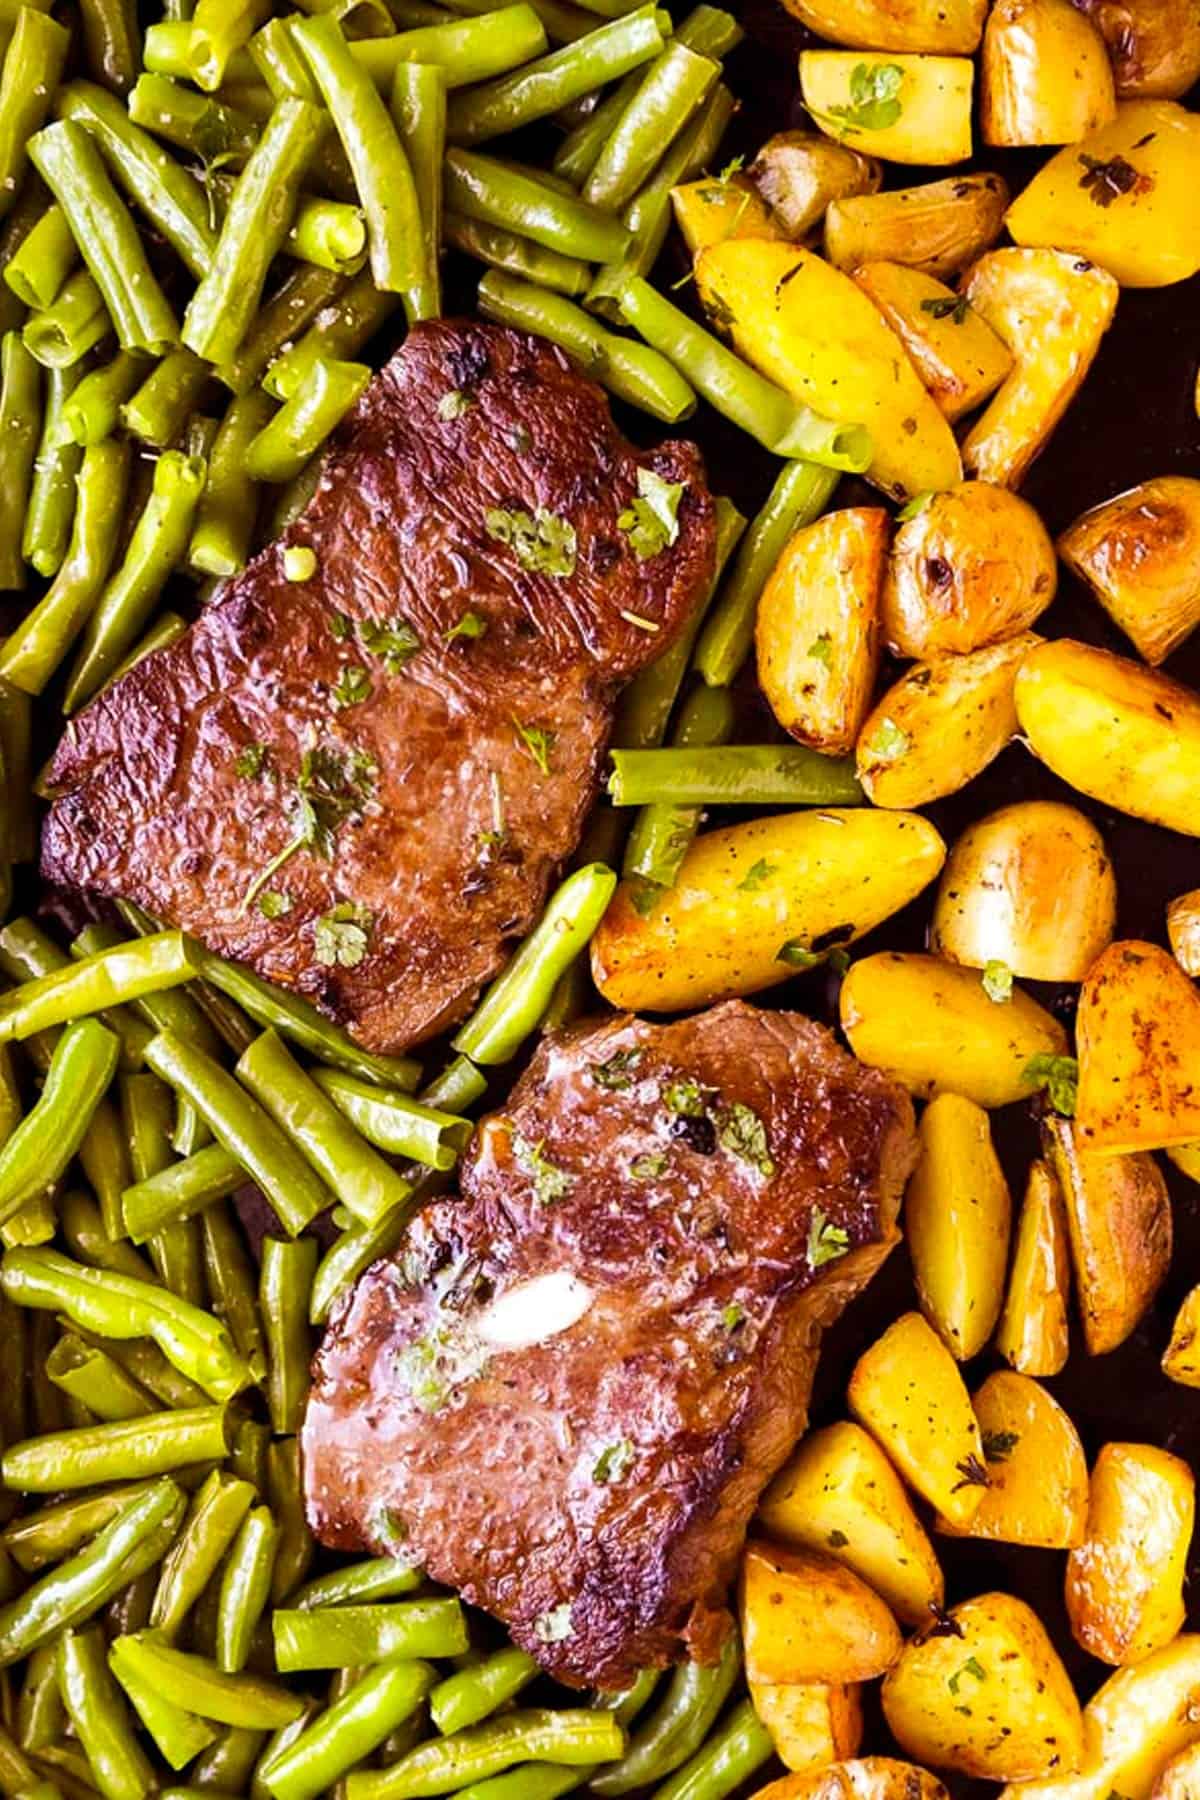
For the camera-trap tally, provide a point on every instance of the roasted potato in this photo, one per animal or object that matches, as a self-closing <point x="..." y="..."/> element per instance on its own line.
<point x="1181" y="1777"/>
<point x="1186" y="1158"/>
<point x="839" y="1493"/>
<point x="1045" y="74"/>
<point x="1138" y="1036"/>
<point x="941" y="724"/>
<point x="798" y="174"/>
<point x="807" y="327"/>
<point x="806" y="1617"/>
<point x="817" y="633"/>
<point x="870" y="1778"/>
<point x="951" y="27"/>
<point x="974" y="567"/>
<point x="1033" y="1333"/>
<point x="957" y="1217"/>
<point x="1133" y="210"/>
<point x="933" y="1026"/>
<point x="993" y="1702"/>
<point x="1154" y="45"/>
<point x="960" y="359"/>
<point x="905" y="109"/>
<point x="1128" y="736"/>
<point x="1052" y="310"/>
<point x="1140" y="555"/>
<point x="812" y="879"/>
<point x="1119" y="1227"/>
<point x="1038" y="1472"/>
<point x="1124" y="1586"/>
<point x="1181" y="1358"/>
<point x="1183" y="930"/>
<point x="811" y="1724"/>
<point x="938" y="228"/>
<point x="1030" y="886"/>
<point x="712" y="209"/>
<point x="907" y="1391"/>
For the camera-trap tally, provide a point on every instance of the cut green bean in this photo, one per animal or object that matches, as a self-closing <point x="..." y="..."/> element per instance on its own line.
<point x="94" y="408"/>
<point x="112" y="42"/>
<point x="27" y="951"/>
<point x="225" y="516"/>
<point x="52" y="1532"/>
<point x="178" y="1735"/>
<point x="104" y="1160"/>
<point x="543" y="88"/>
<point x="171" y="48"/>
<point x="16" y="740"/>
<point x="209" y="128"/>
<point x="456" y="1089"/>
<point x="678" y="1725"/>
<point x="504" y="250"/>
<point x="346" y="1734"/>
<point x="419" y="109"/>
<point x="165" y="1009"/>
<point x="340" y="327"/>
<point x="40" y="1715"/>
<point x="198" y="1686"/>
<point x="226" y="1767"/>
<point x="219" y="29"/>
<point x="483" y="188"/>
<point x="726" y="1762"/>
<point x="214" y="1518"/>
<point x="45" y="258"/>
<point x="245" y="1588"/>
<point x="278" y="60"/>
<point x="181" y="1191"/>
<point x="733" y="775"/>
<point x="302" y="424"/>
<point x="178" y="1260"/>
<point x="98" y="1715"/>
<point x="37" y="1154"/>
<point x="83" y="1228"/>
<point x="285" y="1493"/>
<point x="134" y="1448"/>
<point x="280" y="1741"/>
<point x="158" y="409"/>
<point x="378" y="1578"/>
<point x="285" y="1285"/>
<point x="87" y="1374"/>
<point x="33" y="65"/>
<point x="678" y="84"/>
<point x="62" y="335"/>
<point x="232" y="1287"/>
<point x="472" y="1694"/>
<point x="353" y="1252"/>
<point x="572" y="1736"/>
<point x="564" y="23"/>
<point x="467" y="50"/>
<point x="51" y="507"/>
<point x="20" y="425"/>
<point x="396" y="1123"/>
<point x="576" y="156"/>
<point x="662" y="833"/>
<point x="344" y="1637"/>
<point x="305" y="295"/>
<point x="111" y="976"/>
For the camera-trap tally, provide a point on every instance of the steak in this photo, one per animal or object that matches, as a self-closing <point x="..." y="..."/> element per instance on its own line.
<point x="568" y="1388"/>
<point x="362" y="783"/>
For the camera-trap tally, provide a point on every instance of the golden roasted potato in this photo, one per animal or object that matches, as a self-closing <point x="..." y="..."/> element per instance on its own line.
<point x="1186" y="1158"/>
<point x="869" y="1778"/>
<point x="1124" y="1585"/>
<point x="1181" y="1358"/>
<point x="1045" y="74"/>
<point x="1031" y="887"/>
<point x="1183" y="930"/>
<point x="1033" y="1333"/>
<point x="1138" y="1033"/>
<point x="807" y="327"/>
<point x="994" y="1702"/>
<point x="1140" y="555"/>
<point x="1039" y="1477"/>
<point x="933" y="1026"/>
<point x="710" y="210"/>
<point x="957" y="1217"/>
<point x="811" y="1724"/>
<point x="806" y="1617"/>
<point x="1181" y="1777"/>
<point x="744" y="894"/>
<point x="1128" y="736"/>
<point x="1119" y="1226"/>
<point x="940" y="724"/>
<point x="973" y="567"/>
<point x="838" y="1492"/>
<point x="960" y="359"/>
<point x="951" y="27"/>
<point x="902" y="108"/>
<point x="798" y="174"/>
<point x="1154" y="45"/>
<point x="907" y="1391"/>
<point x="1051" y="310"/>
<point x="817" y="633"/>
<point x="937" y="228"/>
<point x="1133" y="210"/>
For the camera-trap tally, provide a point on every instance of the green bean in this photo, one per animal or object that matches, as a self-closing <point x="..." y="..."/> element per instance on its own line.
<point x="678" y="1725"/>
<point x="72" y="1777"/>
<point x="51" y="505"/>
<point x="170" y="48"/>
<point x="516" y="1000"/>
<point x="232" y="1287"/>
<point x="35" y="1223"/>
<point x="351" y="1253"/>
<point x="349" y="1731"/>
<point x="178" y="1735"/>
<point x="340" y="327"/>
<point x="662" y="833"/>
<point x="483" y="188"/>
<point x="626" y="1703"/>
<point x="801" y="492"/>
<point x="170" y="198"/>
<point x="198" y="1686"/>
<point x="214" y="1519"/>
<point x="279" y="1742"/>
<point x="194" y="122"/>
<point x="16" y="735"/>
<point x="17" y="1775"/>
<point x="158" y="542"/>
<point x="94" y="408"/>
<point x="59" y="337"/>
<point x="94" y="1378"/>
<point x="105" y="979"/>
<point x="676" y="87"/>
<point x="53" y="1532"/>
<point x="467" y="50"/>
<point x="543" y="87"/>
<point x="20" y="423"/>
<point x="148" y="1365"/>
<point x="285" y="1491"/>
<point x="226" y="1767"/>
<point x="97" y="1711"/>
<point x="133" y="1540"/>
<point x="302" y="297"/>
<point x="146" y="1110"/>
<point x="576" y="156"/>
<point x="378" y="1578"/>
<point x="44" y="259"/>
<point x="245" y="1588"/>
<point x="395" y="1123"/>
<point x="168" y="628"/>
<point x="341" y="1637"/>
<point x="158" y="409"/>
<point x="283" y="1296"/>
<point x="135" y="1448"/>
<point x="178" y="1259"/>
<point x="280" y="63"/>
<point x="572" y="1735"/>
<point x="30" y="204"/>
<point x="528" y="1781"/>
<point x="730" y="1757"/>
<point x="329" y="234"/>
<point x="104" y="1159"/>
<point x="564" y="23"/>
<point x="382" y="174"/>
<point x="733" y="775"/>
<point x="40" y="1715"/>
<point x="180" y="1191"/>
<point x="219" y="29"/>
<point x="37" y="1154"/>
<point x="129" y="1610"/>
<point x="456" y="1089"/>
<point x="470" y="1695"/>
<point x="300" y="427"/>
<point x="165" y="1009"/>
<point x="33" y="65"/>
<point x="83" y="1229"/>
<point x="501" y="249"/>
<point x="418" y="105"/>
<point x="27" y="952"/>
<point x="112" y="42"/>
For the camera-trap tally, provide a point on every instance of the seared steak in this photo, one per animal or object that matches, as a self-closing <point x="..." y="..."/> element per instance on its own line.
<point x="362" y="783"/>
<point x="569" y="1387"/>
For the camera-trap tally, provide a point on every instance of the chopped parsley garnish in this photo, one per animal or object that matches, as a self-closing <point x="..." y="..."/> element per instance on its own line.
<point x="648" y="1167"/>
<point x="997" y="979"/>
<point x="1105" y="182"/>
<point x="538" y="741"/>
<point x="471" y="625"/>
<point x="743" y="1134"/>
<point x="821" y="650"/>
<point x="497" y="837"/>
<point x="954" y="307"/>
<point x="352" y="687"/>
<point x="754" y="878"/>
<point x="550" y="1183"/>
<point x="340" y="936"/>
<point x="972" y="1667"/>
<point x="340" y="626"/>
<point x="733" y="167"/>
<point x="299" y="563"/>
<point x="914" y="507"/>
<point x="837" y="1540"/>
<point x="613" y="1462"/>
<point x="553" y="1626"/>
<point x="888" y="743"/>
<point x="733" y="1315"/>
<point x="251" y="762"/>
<point x="874" y="102"/>
<point x="616" y="1074"/>
<point x="392" y="640"/>
<point x="651" y="522"/>
<point x="826" y="1241"/>
<point x="330" y="787"/>
<point x="431" y="1367"/>
<point x="998" y="1446"/>
<point x="454" y="403"/>
<point x="542" y="542"/>
<point x="1059" y="1075"/>
<point x="274" y="905"/>
<point x="685" y="1098"/>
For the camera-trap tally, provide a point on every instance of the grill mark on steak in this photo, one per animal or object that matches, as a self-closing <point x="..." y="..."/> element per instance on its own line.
<point x="698" y="1328"/>
<point x="148" y="805"/>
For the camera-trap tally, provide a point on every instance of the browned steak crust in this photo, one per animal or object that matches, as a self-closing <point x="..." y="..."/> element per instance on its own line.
<point x="674" y="1186"/>
<point x="445" y="828"/>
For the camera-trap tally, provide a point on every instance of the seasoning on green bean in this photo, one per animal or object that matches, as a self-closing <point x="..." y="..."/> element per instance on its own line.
<point x="20" y="422"/>
<point x="245" y="1588"/>
<point x="343" y="1637"/>
<point x="91" y="1376"/>
<point x="501" y="249"/>
<point x="46" y="257"/>
<point x="98" y="1714"/>
<point x="285" y="1284"/>
<point x="178" y="1735"/>
<point x="111" y="42"/>
<point x="340" y="327"/>
<point x="33" y="65"/>
<point x="194" y="122"/>
<point x="472" y="1694"/>
<point x="419" y="109"/>
<point x="395" y="1123"/>
<point x="197" y="1685"/>
<point x="678" y="84"/>
<point x="483" y="188"/>
<point x="573" y="1735"/>
<point x="303" y="422"/>
<point x="349" y="1731"/>
<point x="678" y="1725"/>
<point x="214" y="1519"/>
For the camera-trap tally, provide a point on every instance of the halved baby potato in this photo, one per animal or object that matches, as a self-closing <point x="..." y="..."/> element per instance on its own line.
<point x="1033" y="1334"/>
<point x="974" y="567"/>
<point x="957" y="1217"/>
<point x="1124" y="1586"/>
<point x="903" y="108"/>
<point x="938" y="228"/>
<point x="1038" y="1472"/>
<point x="1154" y="45"/>
<point x="1181" y="1358"/>
<point x="806" y="1617"/>
<point x="1140" y="555"/>
<point x="798" y="174"/>
<point x="1181" y="1777"/>
<point x="811" y="1724"/>
<point x="993" y="1702"/>
<point x="960" y="359"/>
<point x="1183" y="930"/>
<point x="1031" y="887"/>
<point x="1045" y="74"/>
<point x="869" y="1778"/>
<point x="711" y="209"/>
<point x="817" y="632"/>
<point x="1051" y="309"/>
<point x="1138" y="1033"/>
<point x="947" y="26"/>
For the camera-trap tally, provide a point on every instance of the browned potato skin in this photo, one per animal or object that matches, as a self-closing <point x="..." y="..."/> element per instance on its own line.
<point x="1124" y="1583"/>
<point x="1032" y="886"/>
<point x="1033" y="1334"/>
<point x="1138" y="1036"/>
<point x="1183" y="931"/>
<point x="960" y="359"/>
<point x="870" y="1778"/>
<point x="824" y="593"/>
<point x="1154" y="45"/>
<point x="710" y="210"/>
<point x="1119" y="1225"/>
<point x="1140" y="555"/>
<point x="806" y="1617"/>
<point x="1181" y="1358"/>
<point x="939" y="227"/>
<point x="942" y="26"/>
<point x="1039" y="1474"/>
<point x="811" y="1724"/>
<point x="799" y="173"/>
<point x="975" y="566"/>
<point x="1045" y="74"/>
